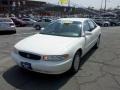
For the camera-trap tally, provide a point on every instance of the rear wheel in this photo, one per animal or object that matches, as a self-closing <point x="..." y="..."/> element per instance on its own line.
<point x="97" y="43"/>
<point x="106" y="25"/>
<point x="76" y="63"/>
<point x="14" y="31"/>
<point x="37" y="27"/>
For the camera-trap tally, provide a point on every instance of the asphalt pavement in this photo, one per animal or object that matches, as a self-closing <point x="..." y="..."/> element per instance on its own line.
<point x="100" y="69"/>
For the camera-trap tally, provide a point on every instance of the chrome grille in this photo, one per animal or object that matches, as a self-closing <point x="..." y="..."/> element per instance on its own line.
<point x="29" y="55"/>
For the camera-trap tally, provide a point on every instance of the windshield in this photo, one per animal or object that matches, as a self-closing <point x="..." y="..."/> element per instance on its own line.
<point x="63" y="28"/>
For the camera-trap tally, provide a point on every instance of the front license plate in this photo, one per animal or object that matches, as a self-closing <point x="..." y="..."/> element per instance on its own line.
<point x="26" y="65"/>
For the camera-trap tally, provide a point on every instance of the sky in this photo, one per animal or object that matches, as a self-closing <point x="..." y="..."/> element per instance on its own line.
<point x="86" y="3"/>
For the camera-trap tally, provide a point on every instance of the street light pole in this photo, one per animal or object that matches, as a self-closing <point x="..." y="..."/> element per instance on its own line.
<point x="9" y="9"/>
<point x="69" y="7"/>
<point x="105" y="5"/>
<point x="69" y="3"/>
<point x="101" y="4"/>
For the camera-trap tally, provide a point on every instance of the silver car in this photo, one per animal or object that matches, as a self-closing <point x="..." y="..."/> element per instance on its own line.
<point x="6" y="24"/>
<point x="29" y="21"/>
<point x="41" y="23"/>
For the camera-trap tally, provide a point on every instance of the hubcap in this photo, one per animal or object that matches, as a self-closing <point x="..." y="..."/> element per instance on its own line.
<point x="76" y="62"/>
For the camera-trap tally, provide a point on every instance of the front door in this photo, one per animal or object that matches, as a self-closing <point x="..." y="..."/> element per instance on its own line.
<point x="88" y="38"/>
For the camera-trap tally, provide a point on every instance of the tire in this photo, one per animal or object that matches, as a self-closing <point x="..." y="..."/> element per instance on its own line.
<point x="97" y="43"/>
<point x="118" y="24"/>
<point x="37" y="27"/>
<point x="76" y="63"/>
<point x="14" y="31"/>
<point x="113" y="24"/>
<point x="106" y="25"/>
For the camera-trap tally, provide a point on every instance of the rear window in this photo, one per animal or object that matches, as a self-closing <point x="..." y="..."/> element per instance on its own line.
<point x="5" y="20"/>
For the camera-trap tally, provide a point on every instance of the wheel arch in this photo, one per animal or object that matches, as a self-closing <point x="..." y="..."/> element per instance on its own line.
<point x="80" y="51"/>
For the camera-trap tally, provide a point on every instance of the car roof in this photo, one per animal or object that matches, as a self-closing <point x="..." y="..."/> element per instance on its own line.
<point x="74" y="19"/>
<point x="6" y="18"/>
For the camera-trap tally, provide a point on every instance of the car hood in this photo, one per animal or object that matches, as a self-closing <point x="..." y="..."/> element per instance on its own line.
<point x="46" y="44"/>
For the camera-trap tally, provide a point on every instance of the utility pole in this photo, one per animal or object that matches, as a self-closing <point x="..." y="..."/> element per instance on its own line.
<point x="9" y="7"/>
<point x="69" y="3"/>
<point x="101" y="4"/>
<point x="105" y="5"/>
<point x="69" y="8"/>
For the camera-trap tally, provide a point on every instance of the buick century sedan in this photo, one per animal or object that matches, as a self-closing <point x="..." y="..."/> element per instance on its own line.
<point x="58" y="47"/>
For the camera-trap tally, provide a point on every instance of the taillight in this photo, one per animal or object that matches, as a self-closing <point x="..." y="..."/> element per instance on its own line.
<point x="12" y="24"/>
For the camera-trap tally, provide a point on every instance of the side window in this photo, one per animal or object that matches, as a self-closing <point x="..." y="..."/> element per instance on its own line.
<point x="92" y="25"/>
<point x="26" y="19"/>
<point x="47" y="20"/>
<point x="86" y="26"/>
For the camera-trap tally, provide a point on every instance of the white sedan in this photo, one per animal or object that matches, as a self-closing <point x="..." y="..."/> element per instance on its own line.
<point x="59" y="47"/>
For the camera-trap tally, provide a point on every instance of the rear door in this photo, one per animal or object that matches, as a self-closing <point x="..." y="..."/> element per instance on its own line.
<point x="94" y="30"/>
<point x="27" y="21"/>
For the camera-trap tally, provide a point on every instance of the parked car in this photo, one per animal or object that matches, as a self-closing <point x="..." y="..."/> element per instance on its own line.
<point x="113" y="22"/>
<point x="6" y="24"/>
<point x="29" y="21"/>
<point x="19" y="22"/>
<point x="59" y="47"/>
<point x="102" y="22"/>
<point x="118" y="23"/>
<point x="41" y="23"/>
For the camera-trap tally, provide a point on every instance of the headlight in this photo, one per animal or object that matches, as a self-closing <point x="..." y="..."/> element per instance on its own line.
<point x="56" y="57"/>
<point x="15" y="50"/>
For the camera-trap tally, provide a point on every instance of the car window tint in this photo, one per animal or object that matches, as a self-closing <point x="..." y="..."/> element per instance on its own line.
<point x="92" y="25"/>
<point x="86" y="26"/>
<point x="26" y="19"/>
<point x="47" y="20"/>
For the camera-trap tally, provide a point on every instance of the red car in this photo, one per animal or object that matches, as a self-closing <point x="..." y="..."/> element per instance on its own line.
<point x="19" y="22"/>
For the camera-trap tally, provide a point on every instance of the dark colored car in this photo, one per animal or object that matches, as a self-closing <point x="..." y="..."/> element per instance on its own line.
<point x="113" y="22"/>
<point x="118" y="23"/>
<point x="102" y="22"/>
<point x="19" y="22"/>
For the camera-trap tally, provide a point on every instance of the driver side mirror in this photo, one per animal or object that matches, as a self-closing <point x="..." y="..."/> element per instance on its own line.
<point x="88" y="33"/>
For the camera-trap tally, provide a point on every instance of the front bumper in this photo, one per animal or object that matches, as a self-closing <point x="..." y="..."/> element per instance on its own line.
<point x="47" y="67"/>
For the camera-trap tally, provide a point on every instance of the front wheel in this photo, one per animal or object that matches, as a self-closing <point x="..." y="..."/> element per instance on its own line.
<point x="76" y="63"/>
<point x="105" y="25"/>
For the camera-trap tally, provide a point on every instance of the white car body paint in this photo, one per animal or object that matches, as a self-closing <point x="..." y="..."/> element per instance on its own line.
<point x="40" y="45"/>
